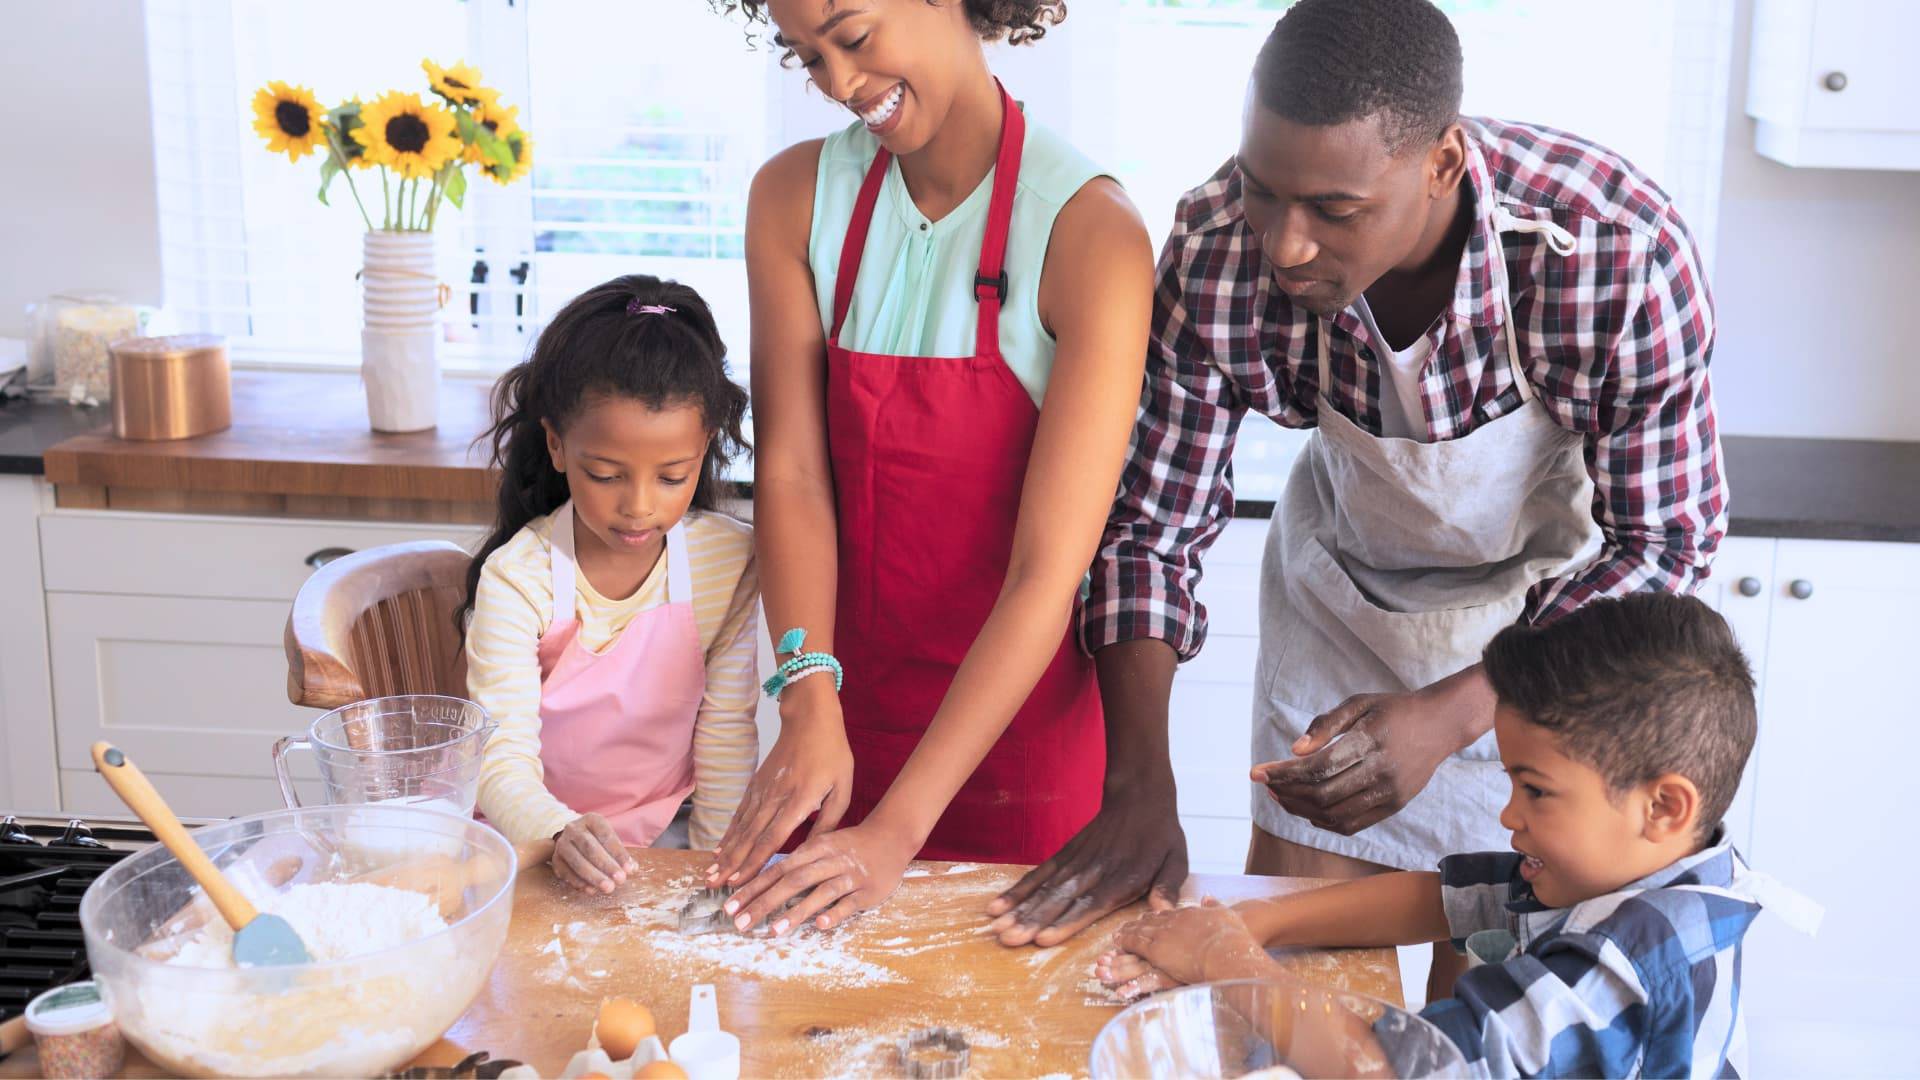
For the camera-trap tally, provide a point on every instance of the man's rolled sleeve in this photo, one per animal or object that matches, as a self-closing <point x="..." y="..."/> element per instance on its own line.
<point x="1176" y="491"/>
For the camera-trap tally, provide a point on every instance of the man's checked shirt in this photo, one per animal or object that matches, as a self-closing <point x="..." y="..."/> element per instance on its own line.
<point x="1614" y="336"/>
<point x="1644" y="981"/>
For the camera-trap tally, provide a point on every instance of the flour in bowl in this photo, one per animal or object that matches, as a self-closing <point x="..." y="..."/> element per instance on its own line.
<point x="334" y="921"/>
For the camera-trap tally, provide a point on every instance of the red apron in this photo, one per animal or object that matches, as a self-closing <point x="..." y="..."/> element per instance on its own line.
<point x="929" y="456"/>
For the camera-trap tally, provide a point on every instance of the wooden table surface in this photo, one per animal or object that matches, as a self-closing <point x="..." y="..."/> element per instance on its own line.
<point x="825" y="1004"/>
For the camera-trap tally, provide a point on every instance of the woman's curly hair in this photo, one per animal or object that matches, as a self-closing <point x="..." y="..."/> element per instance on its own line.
<point x="1017" y="21"/>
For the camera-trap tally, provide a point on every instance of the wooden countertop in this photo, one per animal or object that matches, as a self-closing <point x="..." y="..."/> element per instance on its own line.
<point x="842" y="1001"/>
<point x="298" y="434"/>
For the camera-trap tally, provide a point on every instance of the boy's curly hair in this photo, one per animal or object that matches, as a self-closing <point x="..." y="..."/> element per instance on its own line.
<point x="1016" y="21"/>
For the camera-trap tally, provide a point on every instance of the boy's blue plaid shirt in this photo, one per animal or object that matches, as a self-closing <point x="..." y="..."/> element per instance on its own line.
<point x="1644" y="981"/>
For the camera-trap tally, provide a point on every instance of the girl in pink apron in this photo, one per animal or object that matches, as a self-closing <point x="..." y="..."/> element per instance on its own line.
<point x="950" y="313"/>
<point x="613" y="607"/>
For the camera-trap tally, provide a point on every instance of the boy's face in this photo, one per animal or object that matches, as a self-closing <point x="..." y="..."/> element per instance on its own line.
<point x="1581" y="839"/>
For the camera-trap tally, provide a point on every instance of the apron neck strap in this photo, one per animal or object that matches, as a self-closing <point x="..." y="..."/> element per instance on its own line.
<point x="560" y="554"/>
<point x="679" y="571"/>
<point x="1558" y="239"/>
<point x="990" y="280"/>
<point x="565" y="571"/>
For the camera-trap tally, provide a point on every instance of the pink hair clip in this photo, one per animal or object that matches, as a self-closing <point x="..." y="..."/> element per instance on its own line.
<point x="635" y="307"/>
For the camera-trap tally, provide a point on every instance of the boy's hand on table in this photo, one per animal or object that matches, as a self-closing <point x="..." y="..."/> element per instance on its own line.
<point x="589" y="856"/>
<point x="809" y="771"/>
<point x="1194" y="944"/>
<point x="835" y="875"/>
<point x="1129" y="976"/>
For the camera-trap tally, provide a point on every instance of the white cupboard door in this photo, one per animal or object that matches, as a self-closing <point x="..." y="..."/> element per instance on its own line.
<point x="1741" y="590"/>
<point x="183" y="685"/>
<point x="27" y="774"/>
<point x="1863" y="77"/>
<point x="1835" y="777"/>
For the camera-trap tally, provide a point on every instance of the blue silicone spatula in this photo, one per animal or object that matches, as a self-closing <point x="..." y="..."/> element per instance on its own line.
<point x="258" y="940"/>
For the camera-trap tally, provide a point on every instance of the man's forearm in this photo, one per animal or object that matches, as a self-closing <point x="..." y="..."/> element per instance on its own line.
<point x="1136" y="684"/>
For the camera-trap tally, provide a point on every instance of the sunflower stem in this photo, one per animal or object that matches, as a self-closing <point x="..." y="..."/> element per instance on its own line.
<point x="346" y="169"/>
<point x="386" y="200"/>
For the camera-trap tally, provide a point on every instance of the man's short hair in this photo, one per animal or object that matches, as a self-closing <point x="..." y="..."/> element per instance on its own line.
<point x="1334" y="61"/>
<point x="1636" y="688"/>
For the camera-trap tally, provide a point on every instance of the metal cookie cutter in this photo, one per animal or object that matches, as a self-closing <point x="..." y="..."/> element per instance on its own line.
<point x="935" y="1054"/>
<point x="705" y="910"/>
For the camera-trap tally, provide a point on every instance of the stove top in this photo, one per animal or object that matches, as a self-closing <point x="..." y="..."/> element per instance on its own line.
<point x="46" y="864"/>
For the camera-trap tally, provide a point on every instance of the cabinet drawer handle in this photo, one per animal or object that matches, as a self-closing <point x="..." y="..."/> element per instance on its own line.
<point x="1801" y="588"/>
<point x="1835" y="81"/>
<point x="326" y="555"/>
<point x="1749" y="586"/>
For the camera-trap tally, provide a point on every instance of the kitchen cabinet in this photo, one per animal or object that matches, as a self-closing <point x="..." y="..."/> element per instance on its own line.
<point x="1831" y="83"/>
<point x="1741" y="590"/>
<point x="1834" y="763"/>
<point x="27" y="779"/>
<point x="165" y="636"/>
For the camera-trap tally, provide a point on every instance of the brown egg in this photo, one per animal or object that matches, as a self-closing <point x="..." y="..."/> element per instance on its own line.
<point x="660" y="1070"/>
<point x="595" y="1076"/>
<point x="623" y="1025"/>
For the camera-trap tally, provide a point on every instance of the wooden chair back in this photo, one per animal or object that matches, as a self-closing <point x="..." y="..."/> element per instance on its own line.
<point x="379" y="622"/>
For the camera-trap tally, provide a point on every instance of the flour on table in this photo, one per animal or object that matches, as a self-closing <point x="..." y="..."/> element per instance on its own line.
<point x="817" y="957"/>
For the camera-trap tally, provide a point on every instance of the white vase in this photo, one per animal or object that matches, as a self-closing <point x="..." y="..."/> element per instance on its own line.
<point x="400" y="336"/>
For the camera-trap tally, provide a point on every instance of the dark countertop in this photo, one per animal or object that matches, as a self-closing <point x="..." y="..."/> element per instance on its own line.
<point x="1813" y="489"/>
<point x="29" y="427"/>
<point x="1823" y="489"/>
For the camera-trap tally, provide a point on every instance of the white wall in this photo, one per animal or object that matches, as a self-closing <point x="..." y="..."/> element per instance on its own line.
<point x="77" y="205"/>
<point x="1814" y="276"/>
<point x="1815" y="281"/>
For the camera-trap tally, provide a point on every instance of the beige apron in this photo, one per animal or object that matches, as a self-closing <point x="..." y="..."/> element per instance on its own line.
<point x="1389" y="565"/>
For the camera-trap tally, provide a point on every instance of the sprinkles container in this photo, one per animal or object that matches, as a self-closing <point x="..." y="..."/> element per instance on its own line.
<point x="74" y="1032"/>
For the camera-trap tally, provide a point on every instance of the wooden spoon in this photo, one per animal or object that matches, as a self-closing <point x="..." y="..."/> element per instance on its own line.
<point x="258" y="940"/>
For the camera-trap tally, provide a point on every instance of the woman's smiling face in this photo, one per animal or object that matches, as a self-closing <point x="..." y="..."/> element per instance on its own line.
<point x="895" y="64"/>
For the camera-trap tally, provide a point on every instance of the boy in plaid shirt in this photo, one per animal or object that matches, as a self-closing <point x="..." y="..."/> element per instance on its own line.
<point x="1615" y="922"/>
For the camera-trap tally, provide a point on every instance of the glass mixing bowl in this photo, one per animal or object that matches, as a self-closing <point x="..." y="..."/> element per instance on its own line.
<point x="1260" y="1028"/>
<point x="360" y="1016"/>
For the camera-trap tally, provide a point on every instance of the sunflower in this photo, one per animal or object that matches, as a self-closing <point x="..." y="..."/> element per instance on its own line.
<point x="407" y="135"/>
<point x="288" y="117"/>
<point x="459" y="84"/>
<point x="521" y="144"/>
<point x="497" y="120"/>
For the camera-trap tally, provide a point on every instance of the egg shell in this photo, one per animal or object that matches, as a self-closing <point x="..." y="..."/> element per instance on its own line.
<point x="660" y="1070"/>
<point x="622" y="1026"/>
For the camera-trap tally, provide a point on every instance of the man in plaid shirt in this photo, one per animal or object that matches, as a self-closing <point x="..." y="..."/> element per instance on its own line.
<point x="1499" y="334"/>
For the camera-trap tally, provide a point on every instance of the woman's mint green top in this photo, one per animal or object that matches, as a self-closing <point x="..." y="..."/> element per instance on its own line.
<point x="915" y="293"/>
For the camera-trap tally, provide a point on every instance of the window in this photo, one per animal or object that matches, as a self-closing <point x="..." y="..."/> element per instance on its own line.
<point x="650" y="118"/>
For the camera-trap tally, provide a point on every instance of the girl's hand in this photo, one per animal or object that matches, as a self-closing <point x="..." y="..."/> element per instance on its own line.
<point x="588" y="855"/>
<point x="809" y="770"/>
<point x="1129" y="976"/>
<point x="1194" y="944"/>
<point x="851" y="869"/>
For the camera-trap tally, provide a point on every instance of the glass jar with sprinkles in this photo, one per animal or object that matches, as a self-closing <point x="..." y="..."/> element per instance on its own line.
<point x="74" y="1033"/>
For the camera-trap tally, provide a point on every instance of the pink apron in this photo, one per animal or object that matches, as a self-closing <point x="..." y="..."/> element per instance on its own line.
<point x="616" y="727"/>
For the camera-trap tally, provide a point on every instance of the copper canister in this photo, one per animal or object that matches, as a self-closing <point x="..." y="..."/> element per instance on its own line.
<point x="171" y="387"/>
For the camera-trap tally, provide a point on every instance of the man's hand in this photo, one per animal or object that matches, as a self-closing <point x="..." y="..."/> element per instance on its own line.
<point x="588" y="855"/>
<point x="1360" y="763"/>
<point x="1134" y="846"/>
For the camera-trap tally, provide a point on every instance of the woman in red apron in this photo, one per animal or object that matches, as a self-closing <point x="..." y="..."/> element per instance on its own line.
<point x="949" y="307"/>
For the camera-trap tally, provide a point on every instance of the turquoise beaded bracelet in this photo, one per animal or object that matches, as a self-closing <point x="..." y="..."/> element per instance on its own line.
<point x="793" y="642"/>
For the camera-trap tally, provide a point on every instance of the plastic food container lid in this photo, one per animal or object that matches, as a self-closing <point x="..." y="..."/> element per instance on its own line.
<point x="72" y="1009"/>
